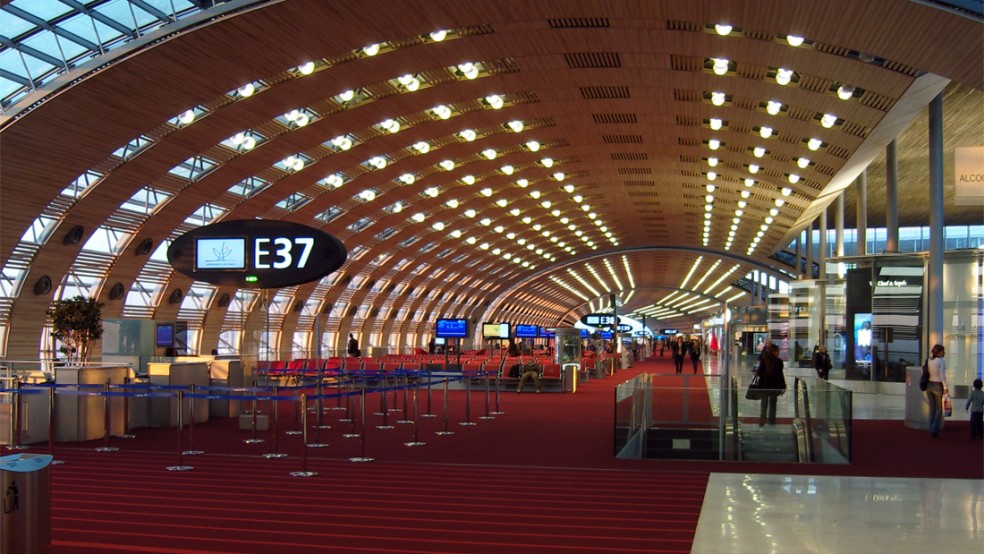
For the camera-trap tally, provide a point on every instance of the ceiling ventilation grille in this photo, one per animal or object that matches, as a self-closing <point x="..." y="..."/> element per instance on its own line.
<point x="901" y="68"/>
<point x="681" y="95"/>
<point x="592" y="60"/>
<point x="643" y="183"/>
<point x="752" y="71"/>
<point x="686" y="63"/>
<point x="500" y="66"/>
<point x="744" y="103"/>
<point x="877" y="101"/>
<point x="622" y="139"/>
<point x="816" y="84"/>
<point x="578" y="22"/>
<point x="800" y="114"/>
<point x="687" y="141"/>
<point x="689" y="173"/>
<point x="824" y="170"/>
<point x="689" y="159"/>
<point x="629" y="156"/>
<point x="843" y="153"/>
<point x="758" y="35"/>
<point x="604" y="93"/>
<point x="683" y="26"/>
<point x="635" y="171"/>
<point x="602" y="118"/>
<point x="855" y="129"/>
<point x="688" y="121"/>
<point x="643" y="194"/>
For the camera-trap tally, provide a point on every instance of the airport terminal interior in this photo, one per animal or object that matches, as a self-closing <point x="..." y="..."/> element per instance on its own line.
<point x="489" y="276"/>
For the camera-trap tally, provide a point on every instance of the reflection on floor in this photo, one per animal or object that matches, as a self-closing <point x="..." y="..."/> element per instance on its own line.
<point x="789" y="513"/>
<point x="757" y="513"/>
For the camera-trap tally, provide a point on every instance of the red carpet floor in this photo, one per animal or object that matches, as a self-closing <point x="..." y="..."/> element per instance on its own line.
<point x="539" y="477"/>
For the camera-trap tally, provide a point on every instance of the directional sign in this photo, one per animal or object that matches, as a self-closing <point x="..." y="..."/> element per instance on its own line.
<point x="600" y="320"/>
<point x="256" y="253"/>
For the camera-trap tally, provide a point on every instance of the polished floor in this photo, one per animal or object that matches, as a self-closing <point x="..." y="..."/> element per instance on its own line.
<point x="757" y="513"/>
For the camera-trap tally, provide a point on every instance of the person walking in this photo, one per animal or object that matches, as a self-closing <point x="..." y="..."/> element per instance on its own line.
<point x="353" y="347"/>
<point x="821" y="362"/>
<point x="772" y="381"/>
<point x="695" y="355"/>
<point x="678" y="350"/>
<point x="937" y="388"/>
<point x="975" y="403"/>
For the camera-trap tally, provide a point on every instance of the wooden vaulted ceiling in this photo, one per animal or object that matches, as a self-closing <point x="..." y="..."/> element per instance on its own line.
<point x="617" y="94"/>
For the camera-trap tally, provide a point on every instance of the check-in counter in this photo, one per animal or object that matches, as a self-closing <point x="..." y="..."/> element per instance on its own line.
<point x="82" y="417"/>
<point x="225" y="373"/>
<point x="163" y="412"/>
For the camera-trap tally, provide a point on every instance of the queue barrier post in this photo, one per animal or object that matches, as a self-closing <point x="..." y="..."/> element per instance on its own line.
<point x="488" y="387"/>
<point x="107" y="421"/>
<point x="191" y="428"/>
<point x="416" y="417"/>
<point x="467" y="422"/>
<point x="302" y="406"/>
<point x="127" y="434"/>
<point x="180" y="466"/>
<point x="276" y="431"/>
<point x="429" y="388"/>
<point x="362" y="408"/>
<point x="444" y="430"/>
<point x="253" y="413"/>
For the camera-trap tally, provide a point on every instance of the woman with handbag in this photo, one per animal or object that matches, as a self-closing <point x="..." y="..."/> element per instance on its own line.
<point x="937" y="389"/>
<point x="772" y="383"/>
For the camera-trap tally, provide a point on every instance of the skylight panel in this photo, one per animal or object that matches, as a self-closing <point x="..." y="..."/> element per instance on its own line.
<point x="294" y="201"/>
<point x="249" y="186"/>
<point x="205" y="215"/>
<point x="329" y="215"/>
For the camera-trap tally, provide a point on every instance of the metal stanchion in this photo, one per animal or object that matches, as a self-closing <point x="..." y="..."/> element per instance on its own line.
<point x="362" y="408"/>
<point x="276" y="435"/>
<point x="385" y="412"/>
<point x="191" y="429"/>
<point x="395" y="408"/>
<point x="498" y="408"/>
<point x="126" y="411"/>
<point x="406" y="386"/>
<point x="253" y="439"/>
<point x="298" y="418"/>
<point x="180" y="465"/>
<point x="338" y="390"/>
<point x="416" y="416"/>
<point x="445" y="430"/>
<point x="353" y="433"/>
<point x="348" y="404"/>
<point x="304" y="470"/>
<point x="467" y="422"/>
<point x="107" y="419"/>
<point x="15" y="420"/>
<point x="429" y="388"/>
<point x="382" y="400"/>
<point x="51" y="425"/>
<point x="488" y="387"/>
<point x="317" y="433"/>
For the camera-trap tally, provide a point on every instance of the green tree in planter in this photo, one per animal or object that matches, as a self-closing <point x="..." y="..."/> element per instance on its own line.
<point x="78" y="325"/>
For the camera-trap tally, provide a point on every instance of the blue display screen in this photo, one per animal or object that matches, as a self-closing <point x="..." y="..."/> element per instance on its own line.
<point x="452" y="328"/>
<point x="526" y="331"/>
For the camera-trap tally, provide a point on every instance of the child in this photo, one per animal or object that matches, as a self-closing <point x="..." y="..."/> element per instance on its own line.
<point x="975" y="403"/>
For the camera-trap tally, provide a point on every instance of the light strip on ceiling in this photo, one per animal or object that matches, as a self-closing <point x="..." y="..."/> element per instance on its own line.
<point x="597" y="277"/>
<point x="628" y="296"/>
<point x="707" y="274"/>
<point x="691" y="272"/>
<point x="612" y="273"/>
<point x="628" y="271"/>
<point x="573" y="274"/>
<point x="722" y="278"/>
<point x="739" y="295"/>
<point x="569" y="288"/>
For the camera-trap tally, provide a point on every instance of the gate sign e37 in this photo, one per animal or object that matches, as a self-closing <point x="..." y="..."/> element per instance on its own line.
<point x="256" y="254"/>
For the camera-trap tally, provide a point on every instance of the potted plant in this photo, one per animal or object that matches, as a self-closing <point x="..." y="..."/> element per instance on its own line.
<point x="77" y="323"/>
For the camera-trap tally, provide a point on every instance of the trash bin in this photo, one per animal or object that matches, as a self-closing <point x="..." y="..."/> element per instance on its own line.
<point x="25" y="496"/>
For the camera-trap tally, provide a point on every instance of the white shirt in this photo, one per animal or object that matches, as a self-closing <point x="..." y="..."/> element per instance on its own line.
<point x="937" y="370"/>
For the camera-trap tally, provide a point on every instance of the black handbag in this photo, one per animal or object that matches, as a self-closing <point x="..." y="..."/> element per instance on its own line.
<point x="924" y="378"/>
<point x="754" y="391"/>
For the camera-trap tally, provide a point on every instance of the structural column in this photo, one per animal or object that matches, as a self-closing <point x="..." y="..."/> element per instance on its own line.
<point x="934" y="273"/>
<point x="862" y="218"/>
<point x="797" y="271"/>
<point x="891" y="198"/>
<point x="809" y="251"/>
<point x="839" y="224"/>
<point x="822" y="249"/>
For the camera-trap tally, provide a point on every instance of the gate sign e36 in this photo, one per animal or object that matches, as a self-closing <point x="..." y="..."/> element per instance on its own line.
<point x="256" y="254"/>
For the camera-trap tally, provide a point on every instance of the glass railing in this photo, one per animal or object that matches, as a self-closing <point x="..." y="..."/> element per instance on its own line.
<point x="703" y="420"/>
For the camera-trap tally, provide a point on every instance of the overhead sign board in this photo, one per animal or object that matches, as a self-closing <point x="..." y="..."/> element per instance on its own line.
<point x="624" y="328"/>
<point x="668" y="331"/>
<point x="600" y="320"/>
<point x="256" y="254"/>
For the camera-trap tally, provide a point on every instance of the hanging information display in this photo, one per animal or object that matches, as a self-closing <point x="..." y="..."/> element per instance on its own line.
<point x="600" y="320"/>
<point x="256" y="254"/>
